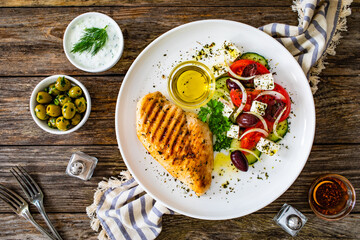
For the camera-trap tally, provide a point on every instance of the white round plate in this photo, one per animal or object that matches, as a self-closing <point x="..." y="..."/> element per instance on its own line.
<point x="245" y="192"/>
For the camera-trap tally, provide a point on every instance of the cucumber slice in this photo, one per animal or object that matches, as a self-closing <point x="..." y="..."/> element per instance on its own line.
<point x="235" y="143"/>
<point x="255" y="57"/>
<point x="282" y="129"/>
<point x="220" y="84"/>
<point x="251" y="158"/>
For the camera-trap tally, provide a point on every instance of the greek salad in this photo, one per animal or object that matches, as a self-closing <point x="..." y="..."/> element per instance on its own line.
<point x="249" y="112"/>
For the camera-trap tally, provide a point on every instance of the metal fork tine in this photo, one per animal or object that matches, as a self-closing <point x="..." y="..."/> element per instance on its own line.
<point x="23" y="186"/>
<point x="8" y="202"/>
<point x="34" y="184"/>
<point x="24" y="181"/>
<point x="31" y="189"/>
<point x="11" y="195"/>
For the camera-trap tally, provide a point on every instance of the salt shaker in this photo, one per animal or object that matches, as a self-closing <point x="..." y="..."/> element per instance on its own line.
<point x="290" y="219"/>
<point x="81" y="166"/>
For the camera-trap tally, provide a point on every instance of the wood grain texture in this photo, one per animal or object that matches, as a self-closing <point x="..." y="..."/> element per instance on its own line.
<point x="75" y="226"/>
<point x="66" y="194"/>
<point x="337" y="107"/>
<point x="35" y="38"/>
<point x="31" y="48"/>
<point x="98" y="3"/>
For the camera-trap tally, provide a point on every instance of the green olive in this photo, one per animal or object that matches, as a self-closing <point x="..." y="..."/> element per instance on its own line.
<point x="52" y="122"/>
<point x="76" y="119"/>
<point x="68" y="110"/>
<point x="40" y="112"/>
<point x="75" y="92"/>
<point x="53" y="110"/>
<point x="62" y="84"/>
<point x="53" y="91"/>
<point x="62" y="99"/>
<point x="80" y="104"/>
<point x="43" y="97"/>
<point x="62" y="123"/>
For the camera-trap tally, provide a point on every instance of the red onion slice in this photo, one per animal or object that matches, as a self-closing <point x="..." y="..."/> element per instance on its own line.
<point x="245" y="150"/>
<point x="261" y="119"/>
<point x="234" y="75"/>
<point x="272" y="93"/>
<point x="276" y="123"/>
<point x="227" y="95"/>
<point x="244" y="98"/>
<point x="255" y="130"/>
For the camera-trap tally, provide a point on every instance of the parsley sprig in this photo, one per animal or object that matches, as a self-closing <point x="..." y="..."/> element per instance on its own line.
<point x="92" y="40"/>
<point x="218" y="123"/>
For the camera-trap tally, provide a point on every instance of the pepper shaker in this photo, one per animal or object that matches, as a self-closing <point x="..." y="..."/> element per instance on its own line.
<point x="81" y="166"/>
<point x="290" y="219"/>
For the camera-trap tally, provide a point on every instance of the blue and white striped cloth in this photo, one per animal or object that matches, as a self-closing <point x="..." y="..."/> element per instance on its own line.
<point x="318" y="33"/>
<point x="125" y="211"/>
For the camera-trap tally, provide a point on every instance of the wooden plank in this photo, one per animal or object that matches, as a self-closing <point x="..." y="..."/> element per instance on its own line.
<point x="70" y="226"/>
<point x="32" y="41"/>
<point x="346" y="60"/>
<point x="66" y="194"/>
<point x="256" y="226"/>
<point x="84" y="3"/>
<point x="98" y="3"/>
<point x="337" y="107"/>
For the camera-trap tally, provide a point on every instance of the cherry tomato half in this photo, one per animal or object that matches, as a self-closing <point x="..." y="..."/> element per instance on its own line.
<point x="239" y="66"/>
<point x="250" y="140"/>
<point x="236" y="97"/>
<point x="287" y="101"/>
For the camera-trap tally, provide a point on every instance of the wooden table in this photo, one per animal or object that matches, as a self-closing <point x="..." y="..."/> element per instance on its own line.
<point x="31" y="49"/>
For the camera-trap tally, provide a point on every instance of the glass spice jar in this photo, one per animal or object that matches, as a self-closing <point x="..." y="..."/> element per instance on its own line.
<point x="331" y="197"/>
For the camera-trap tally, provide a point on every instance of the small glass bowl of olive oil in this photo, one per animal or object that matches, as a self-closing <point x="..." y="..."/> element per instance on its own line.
<point x="191" y="84"/>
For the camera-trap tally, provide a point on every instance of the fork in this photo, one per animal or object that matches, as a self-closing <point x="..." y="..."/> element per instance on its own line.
<point x="20" y="207"/>
<point x="34" y="194"/>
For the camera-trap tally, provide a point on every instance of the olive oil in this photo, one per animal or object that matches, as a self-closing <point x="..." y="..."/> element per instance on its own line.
<point x="191" y="84"/>
<point x="222" y="163"/>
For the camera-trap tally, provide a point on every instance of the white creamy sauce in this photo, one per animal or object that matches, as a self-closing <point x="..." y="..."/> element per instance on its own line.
<point x="106" y="55"/>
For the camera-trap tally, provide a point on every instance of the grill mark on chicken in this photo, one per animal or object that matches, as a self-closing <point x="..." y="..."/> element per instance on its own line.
<point x="174" y="139"/>
<point x="178" y="140"/>
<point x="174" y="124"/>
<point x="167" y="125"/>
<point x="164" y="123"/>
<point x="177" y="127"/>
<point x="149" y="113"/>
<point x="158" y="120"/>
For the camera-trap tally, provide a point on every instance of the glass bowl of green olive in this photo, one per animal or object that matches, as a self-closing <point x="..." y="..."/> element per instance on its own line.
<point x="60" y="104"/>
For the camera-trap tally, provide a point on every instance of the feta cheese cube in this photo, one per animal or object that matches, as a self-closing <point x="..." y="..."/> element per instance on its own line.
<point x="218" y="65"/>
<point x="258" y="107"/>
<point x="268" y="147"/>
<point x="264" y="82"/>
<point x="233" y="131"/>
<point x="228" y="107"/>
<point x="231" y="52"/>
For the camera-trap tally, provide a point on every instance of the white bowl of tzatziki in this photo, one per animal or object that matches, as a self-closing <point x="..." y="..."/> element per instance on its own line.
<point x="107" y="56"/>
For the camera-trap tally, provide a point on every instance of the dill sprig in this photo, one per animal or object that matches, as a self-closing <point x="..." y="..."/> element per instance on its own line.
<point x="93" y="39"/>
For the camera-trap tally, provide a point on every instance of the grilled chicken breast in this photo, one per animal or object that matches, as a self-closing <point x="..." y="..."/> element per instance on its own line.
<point x="178" y="140"/>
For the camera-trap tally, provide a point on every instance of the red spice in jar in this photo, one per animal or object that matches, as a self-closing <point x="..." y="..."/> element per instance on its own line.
<point x="329" y="196"/>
